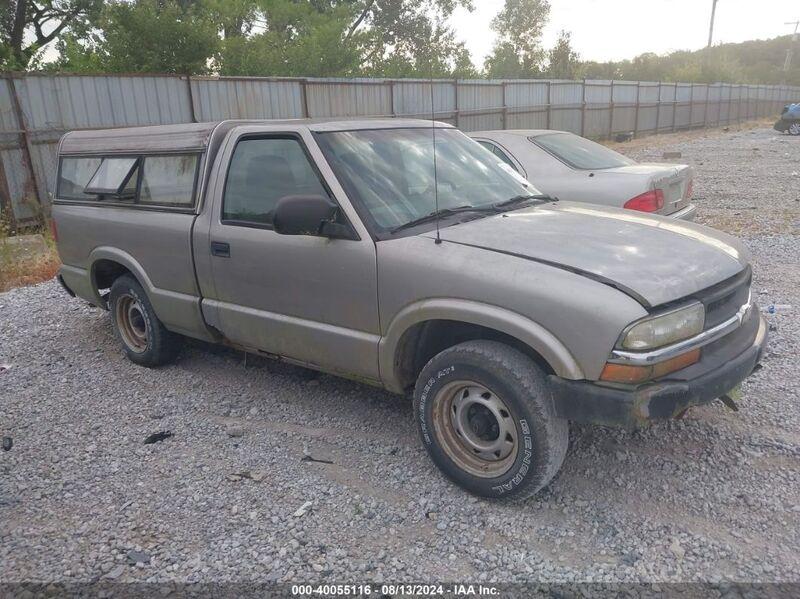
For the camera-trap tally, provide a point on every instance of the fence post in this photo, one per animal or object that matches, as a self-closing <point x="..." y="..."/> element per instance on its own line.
<point x="456" y="107"/>
<point x="583" y="108"/>
<point x="548" y="116"/>
<point x="739" y="105"/>
<point x="658" y="109"/>
<point x="505" y="105"/>
<point x="192" y="113"/>
<point x="611" y="112"/>
<point x="636" y="110"/>
<point x="304" y="97"/>
<point x="391" y="98"/>
<point x="730" y="104"/>
<point x="705" y="108"/>
<point x="25" y="144"/>
<point x="674" y="106"/>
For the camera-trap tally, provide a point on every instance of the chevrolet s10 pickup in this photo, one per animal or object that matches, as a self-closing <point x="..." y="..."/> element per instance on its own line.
<point x="402" y="254"/>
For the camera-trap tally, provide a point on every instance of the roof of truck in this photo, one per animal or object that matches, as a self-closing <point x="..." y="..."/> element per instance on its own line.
<point x="198" y="136"/>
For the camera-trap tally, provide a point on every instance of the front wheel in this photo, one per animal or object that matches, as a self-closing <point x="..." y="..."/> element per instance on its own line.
<point x="485" y="416"/>
<point x="144" y="338"/>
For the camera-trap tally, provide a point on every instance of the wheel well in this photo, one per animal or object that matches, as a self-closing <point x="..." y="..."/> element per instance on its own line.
<point x="105" y="272"/>
<point x="424" y="340"/>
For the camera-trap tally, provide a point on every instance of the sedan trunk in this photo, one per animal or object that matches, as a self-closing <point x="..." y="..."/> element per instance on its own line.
<point x="674" y="180"/>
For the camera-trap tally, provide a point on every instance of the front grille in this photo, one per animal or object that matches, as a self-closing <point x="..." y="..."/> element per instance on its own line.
<point x="724" y="299"/>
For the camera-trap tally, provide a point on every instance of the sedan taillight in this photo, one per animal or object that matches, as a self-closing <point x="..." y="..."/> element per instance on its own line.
<point x="650" y="201"/>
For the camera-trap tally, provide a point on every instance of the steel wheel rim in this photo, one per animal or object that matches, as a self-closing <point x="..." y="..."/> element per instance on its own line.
<point x="133" y="326"/>
<point x="475" y="428"/>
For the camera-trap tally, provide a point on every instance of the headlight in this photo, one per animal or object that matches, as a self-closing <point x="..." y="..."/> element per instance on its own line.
<point x="667" y="328"/>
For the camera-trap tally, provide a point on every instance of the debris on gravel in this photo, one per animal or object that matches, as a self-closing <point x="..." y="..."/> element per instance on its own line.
<point x="712" y="497"/>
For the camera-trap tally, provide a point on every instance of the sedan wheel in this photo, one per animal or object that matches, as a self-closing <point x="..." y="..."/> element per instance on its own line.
<point x="794" y="129"/>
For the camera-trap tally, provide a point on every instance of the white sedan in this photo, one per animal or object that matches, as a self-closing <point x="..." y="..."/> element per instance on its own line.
<point x="574" y="168"/>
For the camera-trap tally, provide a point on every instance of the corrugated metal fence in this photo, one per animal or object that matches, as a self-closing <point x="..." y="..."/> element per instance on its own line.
<point x="36" y="109"/>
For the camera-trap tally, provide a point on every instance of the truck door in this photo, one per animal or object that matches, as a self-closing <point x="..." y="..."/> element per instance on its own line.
<point x="311" y="299"/>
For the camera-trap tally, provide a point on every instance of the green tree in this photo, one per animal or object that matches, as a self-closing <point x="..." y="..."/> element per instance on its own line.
<point x="347" y="38"/>
<point x="562" y="61"/>
<point x="26" y="26"/>
<point x="294" y="39"/>
<point x="757" y="61"/>
<point x="153" y="36"/>
<point x="518" y="52"/>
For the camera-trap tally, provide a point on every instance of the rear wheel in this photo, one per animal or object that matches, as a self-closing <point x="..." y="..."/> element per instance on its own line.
<point x="484" y="414"/>
<point x="144" y="339"/>
<point x="794" y="128"/>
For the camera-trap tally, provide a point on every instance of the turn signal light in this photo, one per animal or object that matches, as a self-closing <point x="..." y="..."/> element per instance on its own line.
<point x="631" y="375"/>
<point x="650" y="201"/>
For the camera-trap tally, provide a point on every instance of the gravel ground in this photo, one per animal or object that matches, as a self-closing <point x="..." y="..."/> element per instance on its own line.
<point x="233" y="495"/>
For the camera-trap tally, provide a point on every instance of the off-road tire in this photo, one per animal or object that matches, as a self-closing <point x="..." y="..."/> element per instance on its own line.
<point x="542" y="438"/>
<point x="159" y="346"/>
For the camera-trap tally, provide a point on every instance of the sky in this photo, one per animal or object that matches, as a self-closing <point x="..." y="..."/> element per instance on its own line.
<point x="605" y="30"/>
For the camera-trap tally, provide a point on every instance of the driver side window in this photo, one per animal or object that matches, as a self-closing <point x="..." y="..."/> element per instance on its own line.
<point x="262" y="171"/>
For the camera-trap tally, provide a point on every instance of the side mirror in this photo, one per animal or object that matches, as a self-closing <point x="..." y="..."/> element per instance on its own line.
<point x="308" y="215"/>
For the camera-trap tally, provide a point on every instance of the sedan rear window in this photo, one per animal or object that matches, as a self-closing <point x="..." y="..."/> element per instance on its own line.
<point x="580" y="152"/>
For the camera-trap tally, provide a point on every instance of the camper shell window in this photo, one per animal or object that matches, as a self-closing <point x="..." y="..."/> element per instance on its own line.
<point x="145" y="181"/>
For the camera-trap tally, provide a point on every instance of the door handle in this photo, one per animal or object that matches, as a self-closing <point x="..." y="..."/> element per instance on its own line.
<point x="221" y="249"/>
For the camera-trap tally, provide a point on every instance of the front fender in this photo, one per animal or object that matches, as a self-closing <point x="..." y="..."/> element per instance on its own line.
<point x="505" y="321"/>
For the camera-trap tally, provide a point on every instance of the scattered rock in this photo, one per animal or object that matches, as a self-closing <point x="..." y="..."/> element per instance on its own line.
<point x="301" y="511"/>
<point x="138" y="557"/>
<point x="235" y="431"/>
<point x="157" y="437"/>
<point x="115" y="572"/>
<point x="677" y="550"/>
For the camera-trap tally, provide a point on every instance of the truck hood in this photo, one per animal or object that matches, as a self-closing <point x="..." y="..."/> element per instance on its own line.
<point x="653" y="259"/>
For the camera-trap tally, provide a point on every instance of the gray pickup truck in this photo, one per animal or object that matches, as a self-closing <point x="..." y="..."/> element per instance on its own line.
<point x="402" y="254"/>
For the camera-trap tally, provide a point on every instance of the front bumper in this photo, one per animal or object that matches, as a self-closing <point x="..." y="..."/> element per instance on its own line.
<point x="724" y="365"/>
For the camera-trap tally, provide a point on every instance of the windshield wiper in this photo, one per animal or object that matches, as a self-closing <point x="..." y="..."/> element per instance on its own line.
<point x="432" y="216"/>
<point x="496" y="207"/>
<point x="524" y="198"/>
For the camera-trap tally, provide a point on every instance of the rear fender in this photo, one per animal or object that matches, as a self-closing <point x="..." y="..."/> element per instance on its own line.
<point x="179" y="312"/>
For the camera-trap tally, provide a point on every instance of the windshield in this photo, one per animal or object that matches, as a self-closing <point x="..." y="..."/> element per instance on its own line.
<point x="390" y="173"/>
<point x="580" y="152"/>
